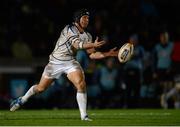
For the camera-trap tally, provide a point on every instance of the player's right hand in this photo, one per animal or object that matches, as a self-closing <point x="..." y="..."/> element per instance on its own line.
<point x="97" y="43"/>
<point x="113" y="52"/>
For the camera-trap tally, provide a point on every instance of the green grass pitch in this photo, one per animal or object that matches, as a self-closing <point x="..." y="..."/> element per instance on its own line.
<point x="70" y="117"/>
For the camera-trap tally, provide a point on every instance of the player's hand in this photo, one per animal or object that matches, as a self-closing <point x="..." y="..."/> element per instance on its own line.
<point x="113" y="52"/>
<point x="97" y="43"/>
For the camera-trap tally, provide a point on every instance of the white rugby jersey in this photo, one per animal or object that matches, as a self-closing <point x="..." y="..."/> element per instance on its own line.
<point x="64" y="50"/>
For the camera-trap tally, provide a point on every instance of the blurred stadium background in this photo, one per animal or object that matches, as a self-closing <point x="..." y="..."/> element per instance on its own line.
<point x="29" y="30"/>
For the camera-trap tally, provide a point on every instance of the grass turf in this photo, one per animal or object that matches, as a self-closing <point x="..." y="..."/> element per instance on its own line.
<point x="120" y="117"/>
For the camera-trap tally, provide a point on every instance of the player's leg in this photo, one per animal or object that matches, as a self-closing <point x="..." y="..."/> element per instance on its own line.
<point x="78" y="79"/>
<point x="177" y="101"/>
<point x="38" y="88"/>
<point x="46" y="80"/>
<point x="166" y="96"/>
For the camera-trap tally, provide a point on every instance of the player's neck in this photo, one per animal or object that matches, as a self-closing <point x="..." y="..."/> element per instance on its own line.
<point x="81" y="30"/>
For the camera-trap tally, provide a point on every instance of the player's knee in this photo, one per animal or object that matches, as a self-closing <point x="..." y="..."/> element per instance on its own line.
<point x="81" y="85"/>
<point x="40" y="89"/>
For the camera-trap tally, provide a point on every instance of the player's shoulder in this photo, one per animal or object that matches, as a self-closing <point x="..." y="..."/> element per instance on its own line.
<point x="71" y="28"/>
<point x="157" y="46"/>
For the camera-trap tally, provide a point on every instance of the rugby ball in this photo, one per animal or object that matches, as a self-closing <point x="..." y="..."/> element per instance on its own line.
<point x="125" y="52"/>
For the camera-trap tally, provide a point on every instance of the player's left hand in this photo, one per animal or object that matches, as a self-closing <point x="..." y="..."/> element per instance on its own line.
<point x="98" y="43"/>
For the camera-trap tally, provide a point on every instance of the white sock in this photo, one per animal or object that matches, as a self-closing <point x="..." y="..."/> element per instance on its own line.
<point x="28" y="94"/>
<point x="82" y="103"/>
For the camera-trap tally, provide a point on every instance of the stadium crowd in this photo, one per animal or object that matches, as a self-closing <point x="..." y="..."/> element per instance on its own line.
<point x="29" y="30"/>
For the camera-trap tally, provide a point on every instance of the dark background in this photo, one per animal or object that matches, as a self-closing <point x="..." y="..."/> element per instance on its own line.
<point x="38" y="23"/>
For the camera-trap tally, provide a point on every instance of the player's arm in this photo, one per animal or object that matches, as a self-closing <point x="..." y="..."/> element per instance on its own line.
<point x="100" y="55"/>
<point x="89" y="45"/>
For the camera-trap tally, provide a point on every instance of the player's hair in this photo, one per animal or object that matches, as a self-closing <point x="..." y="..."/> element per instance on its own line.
<point x="79" y="13"/>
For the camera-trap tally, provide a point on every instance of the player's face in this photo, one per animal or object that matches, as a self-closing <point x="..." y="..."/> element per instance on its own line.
<point x="164" y="38"/>
<point x="84" y="21"/>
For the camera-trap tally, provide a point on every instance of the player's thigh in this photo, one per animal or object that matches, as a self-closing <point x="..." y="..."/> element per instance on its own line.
<point x="77" y="77"/>
<point x="45" y="82"/>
